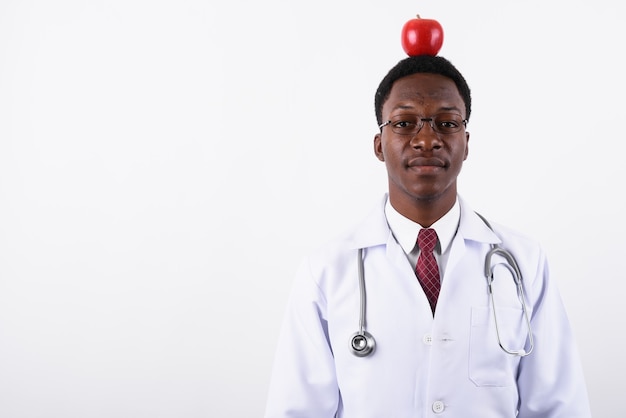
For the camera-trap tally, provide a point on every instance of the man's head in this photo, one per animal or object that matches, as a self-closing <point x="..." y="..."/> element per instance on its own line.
<point x="421" y="64"/>
<point x="422" y="108"/>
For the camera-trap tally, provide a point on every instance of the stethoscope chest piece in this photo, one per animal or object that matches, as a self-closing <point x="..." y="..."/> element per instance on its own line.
<point x="362" y="344"/>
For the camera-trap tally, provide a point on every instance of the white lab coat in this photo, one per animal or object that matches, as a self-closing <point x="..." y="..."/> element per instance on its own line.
<point x="447" y="366"/>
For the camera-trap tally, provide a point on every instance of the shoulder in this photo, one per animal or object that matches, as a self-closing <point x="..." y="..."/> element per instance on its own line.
<point x="332" y="253"/>
<point x="512" y="236"/>
<point x="337" y="257"/>
<point x="367" y="231"/>
<point x="486" y="230"/>
<point x="475" y="224"/>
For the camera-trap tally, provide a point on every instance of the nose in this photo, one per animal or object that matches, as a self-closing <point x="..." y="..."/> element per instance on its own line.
<point x="426" y="138"/>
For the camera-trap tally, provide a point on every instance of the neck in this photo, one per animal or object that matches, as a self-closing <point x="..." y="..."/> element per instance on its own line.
<point x="425" y="211"/>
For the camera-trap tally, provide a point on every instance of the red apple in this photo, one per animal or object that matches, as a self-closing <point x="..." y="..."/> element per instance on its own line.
<point x="422" y="37"/>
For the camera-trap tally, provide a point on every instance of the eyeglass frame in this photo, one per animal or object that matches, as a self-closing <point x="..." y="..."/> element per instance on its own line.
<point x="431" y="122"/>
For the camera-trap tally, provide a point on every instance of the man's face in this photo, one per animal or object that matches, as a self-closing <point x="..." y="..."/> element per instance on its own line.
<point x="424" y="166"/>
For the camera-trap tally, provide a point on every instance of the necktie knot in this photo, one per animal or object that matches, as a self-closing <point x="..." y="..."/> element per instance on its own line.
<point x="427" y="239"/>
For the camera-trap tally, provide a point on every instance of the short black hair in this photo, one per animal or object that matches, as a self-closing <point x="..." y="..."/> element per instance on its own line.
<point x="421" y="64"/>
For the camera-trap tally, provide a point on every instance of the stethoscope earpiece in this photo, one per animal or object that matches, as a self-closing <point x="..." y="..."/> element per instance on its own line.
<point x="362" y="344"/>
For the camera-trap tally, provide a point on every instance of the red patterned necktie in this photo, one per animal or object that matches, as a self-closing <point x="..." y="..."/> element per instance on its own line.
<point x="427" y="270"/>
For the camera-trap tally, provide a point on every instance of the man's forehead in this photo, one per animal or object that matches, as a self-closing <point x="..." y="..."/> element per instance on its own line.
<point x="409" y="90"/>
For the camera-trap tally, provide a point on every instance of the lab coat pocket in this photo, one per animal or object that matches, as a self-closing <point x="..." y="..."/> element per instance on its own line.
<point x="489" y="365"/>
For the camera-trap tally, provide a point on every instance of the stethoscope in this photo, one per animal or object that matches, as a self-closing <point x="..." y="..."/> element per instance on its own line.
<point x="362" y="343"/>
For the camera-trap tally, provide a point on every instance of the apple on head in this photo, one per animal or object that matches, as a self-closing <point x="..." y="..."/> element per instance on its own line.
<point x="422" y="37"/>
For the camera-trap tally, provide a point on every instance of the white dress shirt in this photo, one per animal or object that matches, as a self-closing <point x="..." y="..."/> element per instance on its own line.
<point x="405" y="232"/>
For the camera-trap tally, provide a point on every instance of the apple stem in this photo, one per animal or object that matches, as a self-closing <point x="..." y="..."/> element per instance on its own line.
<point x="418" y="16"/>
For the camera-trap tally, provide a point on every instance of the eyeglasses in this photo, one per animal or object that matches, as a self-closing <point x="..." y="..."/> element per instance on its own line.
<point x="442" y="123"/>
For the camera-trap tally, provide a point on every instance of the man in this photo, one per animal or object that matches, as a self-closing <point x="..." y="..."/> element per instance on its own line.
<point x="427" y="343"/>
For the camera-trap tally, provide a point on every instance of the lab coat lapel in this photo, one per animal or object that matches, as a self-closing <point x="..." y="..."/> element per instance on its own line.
<point x="373" y="231"/>
<point x="471" y="228"/>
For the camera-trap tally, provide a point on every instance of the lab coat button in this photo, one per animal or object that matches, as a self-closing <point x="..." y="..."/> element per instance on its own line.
<point x="438" y="407"/>
<point x="428" y="339"/>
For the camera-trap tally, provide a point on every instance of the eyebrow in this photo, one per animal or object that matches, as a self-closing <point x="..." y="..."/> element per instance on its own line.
<point x="441" y="109"/>
<point x="450" y="108"/>
<point x="403" y="107"/>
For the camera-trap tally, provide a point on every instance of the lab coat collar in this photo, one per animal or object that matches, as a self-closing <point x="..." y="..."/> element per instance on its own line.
<point x="473" y="228"/>
<point x="374" y="230"/>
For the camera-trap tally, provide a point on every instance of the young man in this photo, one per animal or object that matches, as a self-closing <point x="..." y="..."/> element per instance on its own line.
<point x="431" y="339"/>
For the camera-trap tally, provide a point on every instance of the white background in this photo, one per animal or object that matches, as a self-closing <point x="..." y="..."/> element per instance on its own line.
<point x="165" y="165"/>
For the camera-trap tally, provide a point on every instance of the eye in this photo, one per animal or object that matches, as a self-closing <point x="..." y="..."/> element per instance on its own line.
<point x="404" y="124"/>
<point x="448" y="123"/>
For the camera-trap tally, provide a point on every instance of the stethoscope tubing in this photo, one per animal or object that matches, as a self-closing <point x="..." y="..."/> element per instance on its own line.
<point x="362" y="343"/>
<point x="513" y="267"/>
<point x="514" y="270"/>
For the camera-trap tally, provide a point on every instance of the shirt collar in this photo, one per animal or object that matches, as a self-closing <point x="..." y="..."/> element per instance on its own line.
<point x="405" y="230"/>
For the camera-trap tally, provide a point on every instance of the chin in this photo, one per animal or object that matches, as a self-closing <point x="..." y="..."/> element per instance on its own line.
<point x="426" y="197"/>
<point x="432" y="195"/>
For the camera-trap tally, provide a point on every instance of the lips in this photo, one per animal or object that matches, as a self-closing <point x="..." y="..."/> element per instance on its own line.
<point x="426" y="162"/>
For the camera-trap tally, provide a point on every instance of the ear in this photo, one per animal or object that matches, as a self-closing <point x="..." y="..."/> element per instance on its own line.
<point x="378" y="148"/>
<point x="467" y="135"/>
